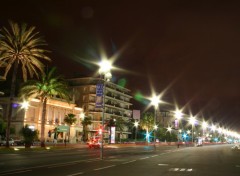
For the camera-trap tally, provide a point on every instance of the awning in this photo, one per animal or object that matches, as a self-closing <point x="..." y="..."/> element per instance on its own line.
<point x="62" y="128"/>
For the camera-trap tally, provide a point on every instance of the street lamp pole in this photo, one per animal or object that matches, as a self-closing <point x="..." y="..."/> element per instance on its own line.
<point x="136" y="126"/>
<point x="155" y="100"/>
<point x="155" y="127"/>
<point x="192" y="121"/>
<point x="105" y="72"/>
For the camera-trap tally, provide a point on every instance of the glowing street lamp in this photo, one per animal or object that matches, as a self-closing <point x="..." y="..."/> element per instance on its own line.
<point x="105" y="73"/>
<point x="178" y="116"/>
<point x="25" y="106"/>
<point x="192" y="121"/>
<point x="204" y="127"/>
<point x="136" y="123"/>
<point x="169" y="129"/>
<point x="155" y="100"/>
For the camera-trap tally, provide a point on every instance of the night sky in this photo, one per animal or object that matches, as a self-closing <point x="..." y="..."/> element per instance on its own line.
<point x="188" y="48"/>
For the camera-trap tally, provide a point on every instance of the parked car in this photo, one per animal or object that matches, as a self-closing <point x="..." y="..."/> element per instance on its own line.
<point x="3" y="142"/>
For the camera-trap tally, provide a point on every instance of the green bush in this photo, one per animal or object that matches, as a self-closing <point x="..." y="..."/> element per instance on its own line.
<point x="29" y="135"/>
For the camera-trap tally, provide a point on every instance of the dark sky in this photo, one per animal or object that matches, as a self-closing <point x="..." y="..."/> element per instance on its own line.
<point x="190" y="48"/>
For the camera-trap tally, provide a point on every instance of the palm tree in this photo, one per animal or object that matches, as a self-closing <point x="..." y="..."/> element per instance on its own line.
<point x="48" y="86"/>
<point x="20" y="45"/>
<point x="70" y="119"/>
<point x="147" y="123"/>
<point x="85" y="122"/>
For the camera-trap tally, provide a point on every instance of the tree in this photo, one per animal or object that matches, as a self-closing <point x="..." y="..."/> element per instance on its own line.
<point x="2" y="128"/>
<point x="147" y="123"/>
<point x="47" y="87"/>
<point x="111" y="123"/>
<point x="85" y="122"/>
<point x="70" y="119"/>
<point x="20" y="45"/>
<point x="29" y="135"/>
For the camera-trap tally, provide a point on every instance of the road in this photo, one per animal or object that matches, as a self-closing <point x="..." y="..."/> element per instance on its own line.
<point x="123" y="161"/>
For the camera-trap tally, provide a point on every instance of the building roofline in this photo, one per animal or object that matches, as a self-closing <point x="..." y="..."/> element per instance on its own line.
<point x="94" y="78"/>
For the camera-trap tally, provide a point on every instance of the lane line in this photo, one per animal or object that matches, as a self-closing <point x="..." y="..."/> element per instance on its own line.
<point x="17" y="172"/>
<point x="154" y="156"/>
<point x="144" y="158"/>
<point x="79" y="173"/>
<point x="189" y="170"/>
<point x="129" y="162"/>
<point x="61" y="165"/>
<point x="183" y="169"/>
<point x="163" y="164"/>
<point x="104" y="167"/>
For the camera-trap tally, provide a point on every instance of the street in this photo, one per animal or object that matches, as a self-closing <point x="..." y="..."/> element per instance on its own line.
<point x="128" y="160"/>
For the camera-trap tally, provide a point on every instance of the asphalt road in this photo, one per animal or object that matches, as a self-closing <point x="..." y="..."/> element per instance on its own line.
<point x="125" y="161"/>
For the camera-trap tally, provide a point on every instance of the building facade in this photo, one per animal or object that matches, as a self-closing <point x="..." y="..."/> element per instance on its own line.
<point x="117" y="101"/>
<point x="31" y="115"/>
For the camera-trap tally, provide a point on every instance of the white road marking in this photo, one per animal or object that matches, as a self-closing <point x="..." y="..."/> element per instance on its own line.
<point x="183" y="169"/>
<point x="129" y="162"/>
<point x="79" y="173"/>
<point x="189" y="170"/>
<point x="104" y="167"/>
<point x="163" y="164"/>
<point x="144" y="158"/>
<point x="175" y="169"/>
<point x="61" y="165"/>
<point x="154" y="156"/>
<point x="17" y="172"/>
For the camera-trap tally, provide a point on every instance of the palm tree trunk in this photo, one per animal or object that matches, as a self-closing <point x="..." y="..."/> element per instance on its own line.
<point x="43" y="122"/>
<point x="69" y="134"/>
<point x="12" y="92"/>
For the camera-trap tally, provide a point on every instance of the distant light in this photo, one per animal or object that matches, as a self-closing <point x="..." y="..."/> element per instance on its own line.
<point x="169" y="129"/>
<point x="16" y="149"/>
<point x="105" y="67"/>
<point x="204" y="125"/>
<point x="136" y="123"/>
<point x="192" y="120"/>
<point x="155" y="100"/>
<point x="155" y="127"/>
<point x="31" y="127"/>
<point x="48" y="148"/>
<point x="25" y="104"/>
<point x="213" y="127"/>
<point x="178" y="114"/>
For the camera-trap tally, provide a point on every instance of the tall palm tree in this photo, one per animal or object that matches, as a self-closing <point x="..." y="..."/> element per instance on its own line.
<point x="70" y="119"/>
<point x="85" y="122"/>
<point x="147" y="123"/>
<point x="48" y="86"/>
<point x="20" y="45"/>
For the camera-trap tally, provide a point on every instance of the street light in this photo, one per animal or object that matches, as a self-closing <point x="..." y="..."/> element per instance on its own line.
<point x="155" y="100"/>
<point x="105" y="73"/>
<point x="25" y="106"/>
<point x="204" y="127"/>
<point x="192" y="120"/>
<point x="178" y="116"/>
<point x="136" y="123"/>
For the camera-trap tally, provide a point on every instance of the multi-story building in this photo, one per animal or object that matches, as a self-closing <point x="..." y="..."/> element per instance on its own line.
<point x="116" y="100"/>
<point x="31" y="115"/>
